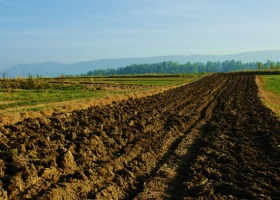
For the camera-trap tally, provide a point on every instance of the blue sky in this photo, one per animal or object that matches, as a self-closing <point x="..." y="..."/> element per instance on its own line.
<point x="33" y="31"/>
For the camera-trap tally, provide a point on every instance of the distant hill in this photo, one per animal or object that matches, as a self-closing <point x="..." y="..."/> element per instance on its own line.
<point x="56" y="69"/>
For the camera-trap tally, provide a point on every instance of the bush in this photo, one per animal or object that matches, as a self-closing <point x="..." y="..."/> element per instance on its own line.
<point x="24" y="83"/>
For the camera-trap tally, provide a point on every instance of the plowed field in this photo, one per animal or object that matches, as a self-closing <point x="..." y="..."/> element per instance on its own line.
<point x="212" y="138"/>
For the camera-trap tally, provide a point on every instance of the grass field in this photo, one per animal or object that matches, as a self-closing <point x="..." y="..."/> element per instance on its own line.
<point x="47" y="94"/>
<point x="270" y="91"/>
<point x="272" y="83"/>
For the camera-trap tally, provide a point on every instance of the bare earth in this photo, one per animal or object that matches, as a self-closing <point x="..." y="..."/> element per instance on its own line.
<point x="212" y="138"/>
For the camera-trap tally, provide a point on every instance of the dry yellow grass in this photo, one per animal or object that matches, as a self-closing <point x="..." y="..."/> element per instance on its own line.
<point x="269" y="98"/>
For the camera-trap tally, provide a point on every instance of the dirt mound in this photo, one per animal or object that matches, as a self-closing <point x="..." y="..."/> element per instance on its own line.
<point x="211" y="138"/>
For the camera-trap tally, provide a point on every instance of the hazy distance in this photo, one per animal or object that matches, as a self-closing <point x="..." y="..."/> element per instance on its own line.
<point x="70" y="31"/>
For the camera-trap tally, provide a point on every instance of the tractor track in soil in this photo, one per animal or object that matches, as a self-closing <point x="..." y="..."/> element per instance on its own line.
<point x="212" y="138"/>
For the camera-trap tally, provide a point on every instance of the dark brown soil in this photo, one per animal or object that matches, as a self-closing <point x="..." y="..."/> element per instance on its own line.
<point x="212" y="138"/>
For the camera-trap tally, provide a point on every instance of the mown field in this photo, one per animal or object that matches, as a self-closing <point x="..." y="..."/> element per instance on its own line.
<point x="210" y="139"/>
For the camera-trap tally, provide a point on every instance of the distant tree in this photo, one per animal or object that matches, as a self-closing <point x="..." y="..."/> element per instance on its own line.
<point x="170" y="67"/>
<point x="209" y="65"/>
<point x="264" y="67"/>
<point x="271" y="64"/>
<point x="277" y="65"/>
<point x="259" y="66"/>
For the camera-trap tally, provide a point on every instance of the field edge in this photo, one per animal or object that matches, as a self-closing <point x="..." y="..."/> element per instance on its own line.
<point x="268" y="98"/>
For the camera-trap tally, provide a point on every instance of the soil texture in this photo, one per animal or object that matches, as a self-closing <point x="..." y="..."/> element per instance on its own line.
<point x="210" y="139"/>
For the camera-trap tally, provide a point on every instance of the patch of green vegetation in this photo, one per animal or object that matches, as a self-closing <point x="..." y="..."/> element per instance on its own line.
<point x="10" y="152"/>
<point x="18" y="98"/>
<point x="272" y="83"/>
<point x="19" y="93"/>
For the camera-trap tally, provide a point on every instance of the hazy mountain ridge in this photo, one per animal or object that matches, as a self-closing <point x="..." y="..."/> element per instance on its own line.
<point x="56" y="68"/>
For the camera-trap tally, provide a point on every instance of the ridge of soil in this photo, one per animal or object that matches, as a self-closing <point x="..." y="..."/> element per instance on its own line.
<point x="212" y="138"/>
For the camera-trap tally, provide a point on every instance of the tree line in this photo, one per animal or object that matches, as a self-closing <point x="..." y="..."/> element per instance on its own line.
<point x="171" y="67"/>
